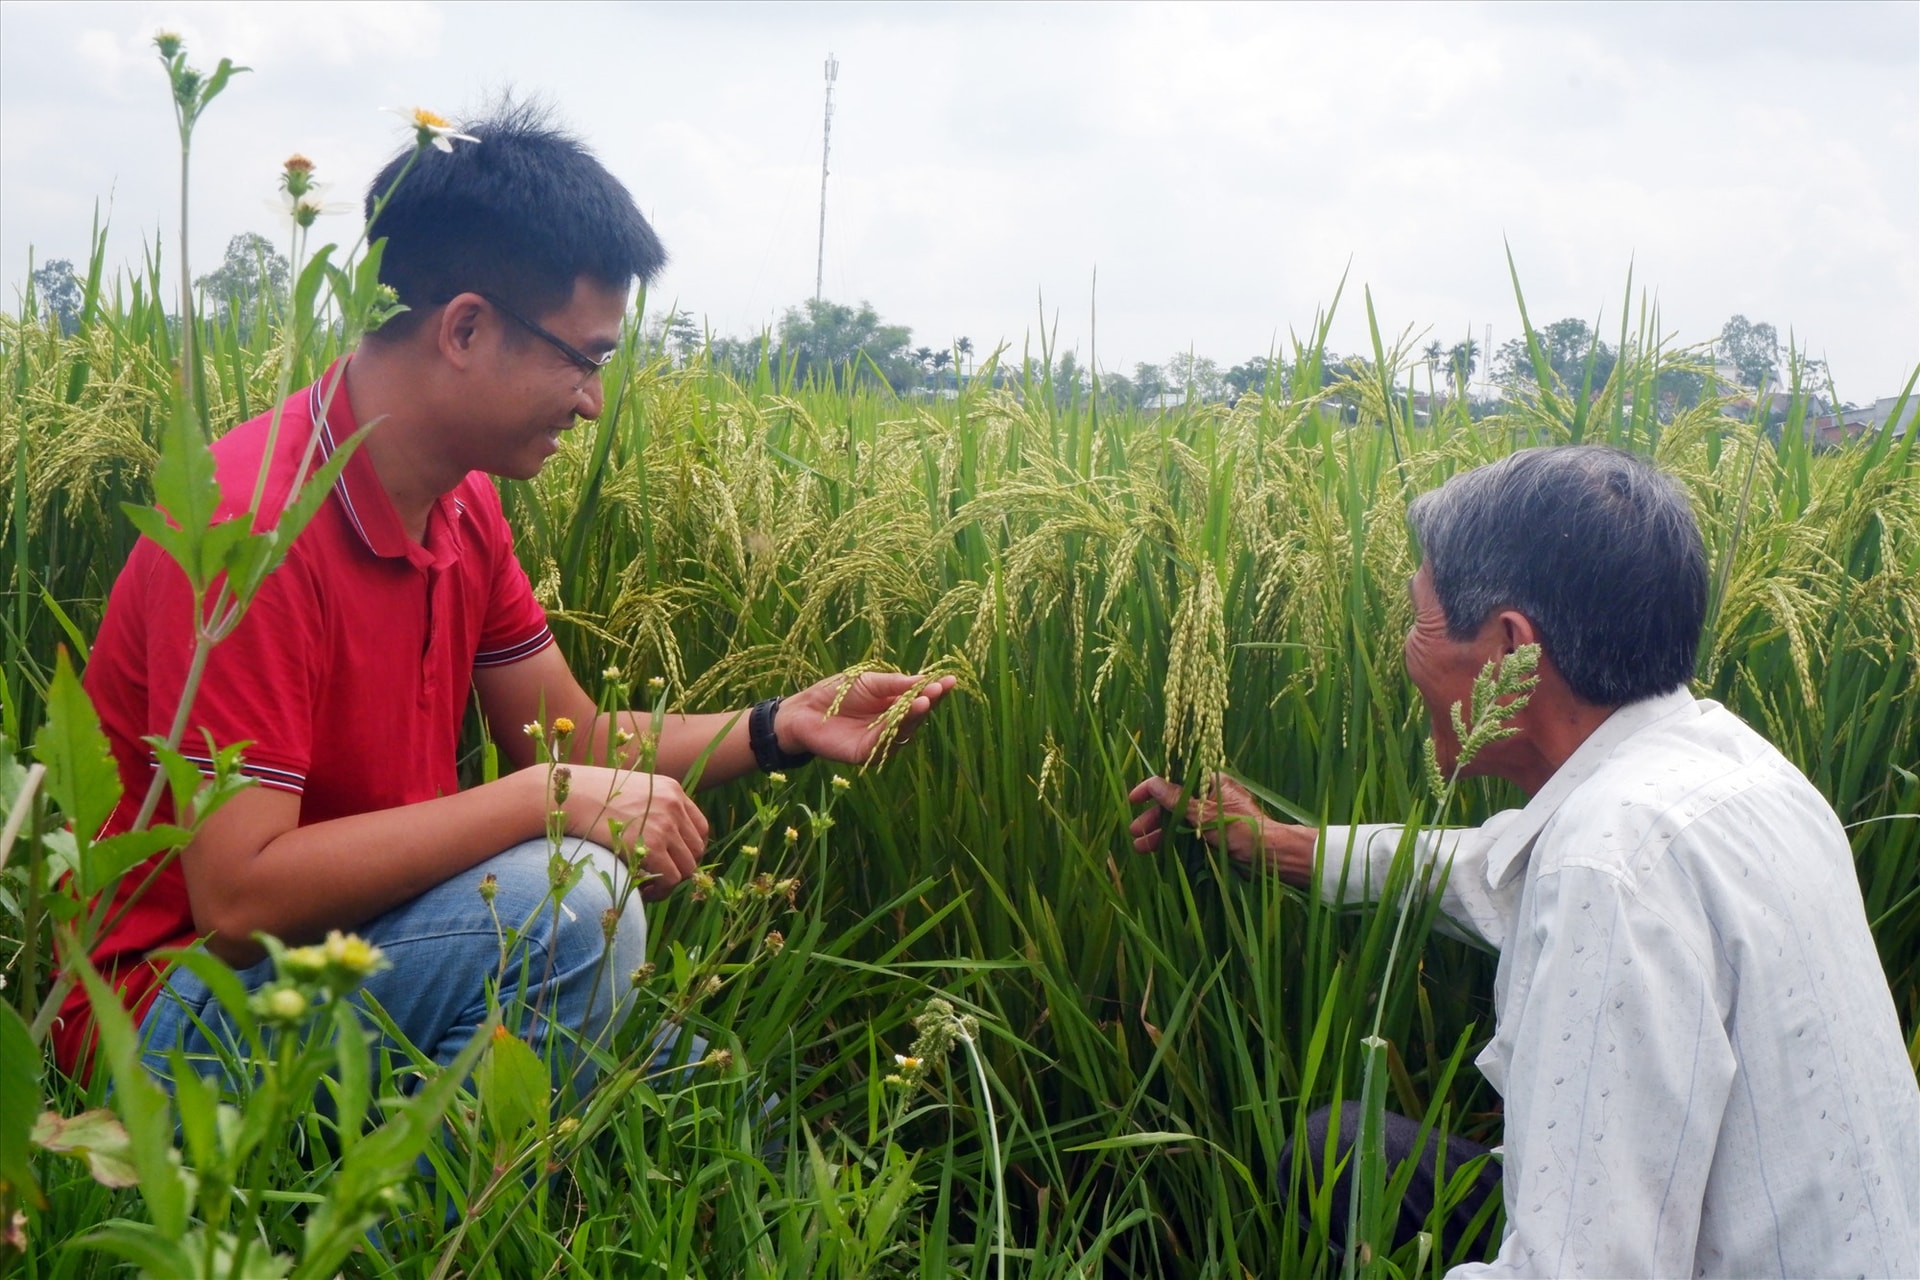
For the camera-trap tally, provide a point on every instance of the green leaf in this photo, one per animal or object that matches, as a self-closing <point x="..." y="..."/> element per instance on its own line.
<point x="146" y="1246"/>
<point x="218" y="81"/>
<point x="298" y="513"/>
<point x="96" y="1136"/>
<point x="143" y="1105"/>
<point x="185" y="488"/>
<point x="104" y="862"/>
<point x="183" y="775"/>
<point x="353" y="1056"/>
<point x="81" y="775"/>
<point x="306" y="290"/>
<point x="199" y="1107"/>
<point x="516" y="1090"/>
<point x="19" y="1101"/>
<point x="379" y="1160"/>
<point x="224" y="983"/>
<point x="153" y="523"/>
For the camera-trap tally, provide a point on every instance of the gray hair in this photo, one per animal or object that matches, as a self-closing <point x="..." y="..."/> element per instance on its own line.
<point x="1597" y="547"/>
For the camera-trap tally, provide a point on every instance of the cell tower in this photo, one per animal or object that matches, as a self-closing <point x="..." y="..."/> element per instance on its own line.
<point x="826" y="146"/>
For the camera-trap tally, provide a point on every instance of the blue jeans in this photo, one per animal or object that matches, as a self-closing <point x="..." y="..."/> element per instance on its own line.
<point x="562" y="979"/>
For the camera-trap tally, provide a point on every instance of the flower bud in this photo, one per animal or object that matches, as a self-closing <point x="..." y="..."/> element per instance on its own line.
<point x="285" y="1004"/>
<point x="489" y="885"/>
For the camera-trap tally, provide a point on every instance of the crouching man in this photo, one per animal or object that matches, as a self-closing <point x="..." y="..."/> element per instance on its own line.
<point x="514" y="252"/>
<point x="1702" y="1068"/>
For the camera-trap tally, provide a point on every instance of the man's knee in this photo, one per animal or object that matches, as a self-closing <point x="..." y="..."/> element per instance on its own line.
<point x="1312" y="1135"/>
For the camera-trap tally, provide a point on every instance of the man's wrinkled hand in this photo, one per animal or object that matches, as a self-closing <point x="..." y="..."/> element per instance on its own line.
<point x="1227" y="812"/>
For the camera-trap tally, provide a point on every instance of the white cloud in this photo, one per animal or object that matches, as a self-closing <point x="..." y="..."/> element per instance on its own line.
<point x="1219" y="166"/>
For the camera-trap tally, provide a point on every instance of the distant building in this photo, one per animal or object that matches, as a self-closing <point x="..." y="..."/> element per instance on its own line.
<point x="1878" y="416"/>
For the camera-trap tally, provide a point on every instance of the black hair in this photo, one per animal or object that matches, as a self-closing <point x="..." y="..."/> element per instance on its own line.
<point x="1596" y="546"/>
<point x="520" y="214"/>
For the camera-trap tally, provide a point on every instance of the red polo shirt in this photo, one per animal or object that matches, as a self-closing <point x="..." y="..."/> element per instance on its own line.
<point x="347" y="678"/>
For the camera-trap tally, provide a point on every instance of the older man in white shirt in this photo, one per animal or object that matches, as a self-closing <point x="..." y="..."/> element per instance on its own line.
<point x="1701" y="1063"/>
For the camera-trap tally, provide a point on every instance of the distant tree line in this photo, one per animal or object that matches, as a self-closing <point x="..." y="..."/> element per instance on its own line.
<point x="822" y="339"/>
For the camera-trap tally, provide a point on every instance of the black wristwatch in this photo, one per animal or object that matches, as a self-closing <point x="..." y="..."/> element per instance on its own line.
<point x="766" y="746"/>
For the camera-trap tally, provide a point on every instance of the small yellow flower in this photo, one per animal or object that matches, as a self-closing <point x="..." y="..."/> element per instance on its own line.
<point x="719" y="1059"/>
<point x="906" y="1063"/>
<point x="562" y="725"/>
<point x="656" y="683"/>
<point x="304" y="964"/>
<point x="531" y="730"/>
<point x="792" y="835"/>
<point x="750" y="850"/>
<point x="702" y="885"/>
<point x="610" y="673"/>
<point x="621" y="737"/>
<point x="167" y="42"/>
<point x="353" y="954"/>
<point x="777" y="776"/>
<point x="840" y="783"/>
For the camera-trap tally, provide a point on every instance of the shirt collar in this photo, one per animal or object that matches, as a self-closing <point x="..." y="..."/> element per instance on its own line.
<point x="1506" y="854"/>
<point x="364" y="499"/>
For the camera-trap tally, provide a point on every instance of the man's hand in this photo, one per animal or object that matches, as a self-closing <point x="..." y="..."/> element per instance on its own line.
<point x="654" y="814"/>
<point x="1227" y="812"/>
<point x="851" y="733"/>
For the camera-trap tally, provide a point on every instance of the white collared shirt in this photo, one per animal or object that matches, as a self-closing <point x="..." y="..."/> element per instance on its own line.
<point x="1701" y="1063"/>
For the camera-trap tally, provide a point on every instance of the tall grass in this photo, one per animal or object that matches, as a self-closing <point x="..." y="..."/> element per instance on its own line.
<point x="1217" y="586"/>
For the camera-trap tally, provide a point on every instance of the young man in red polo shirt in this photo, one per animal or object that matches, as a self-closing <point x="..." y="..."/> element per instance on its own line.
<point x="349" y="676"/>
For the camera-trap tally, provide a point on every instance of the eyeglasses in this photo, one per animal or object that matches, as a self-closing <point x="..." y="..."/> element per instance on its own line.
<point x="575" y="356"/>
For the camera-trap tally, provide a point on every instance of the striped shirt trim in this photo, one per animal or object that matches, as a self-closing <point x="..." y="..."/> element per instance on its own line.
<point x="265" y="775"/>
<point x="318" y="410"/>
<point x="515" y="652"/>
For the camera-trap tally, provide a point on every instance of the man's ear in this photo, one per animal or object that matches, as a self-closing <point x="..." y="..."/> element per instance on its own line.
<point x="1516" y="629"/>
<point x="458" y="333"/>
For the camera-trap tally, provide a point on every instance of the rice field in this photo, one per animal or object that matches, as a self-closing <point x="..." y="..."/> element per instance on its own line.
<point x="954" y="1026"/>
<point x="1126" y="1042"/>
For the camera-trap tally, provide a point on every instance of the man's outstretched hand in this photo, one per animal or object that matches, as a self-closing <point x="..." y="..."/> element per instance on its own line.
<point x="852" y="732"/>
<point x="1226" y="812"/>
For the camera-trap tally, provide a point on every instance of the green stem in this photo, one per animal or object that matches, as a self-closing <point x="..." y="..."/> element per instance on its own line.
<point x="202" y="647"/>
<point x="999" y="1176"/>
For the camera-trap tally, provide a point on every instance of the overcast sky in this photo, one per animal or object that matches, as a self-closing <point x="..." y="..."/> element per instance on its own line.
<point x="1218" y="167"/>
